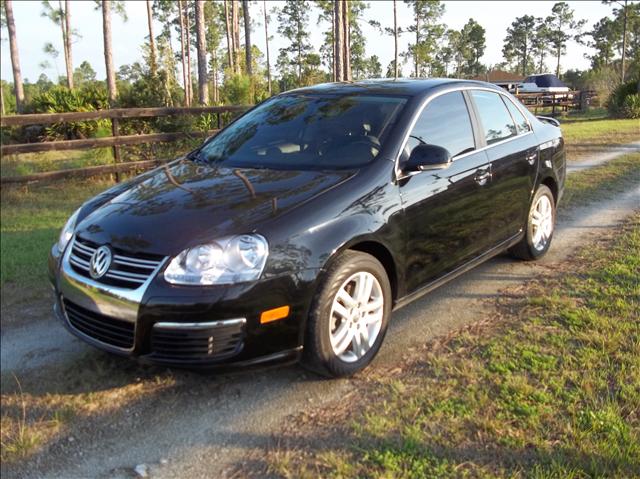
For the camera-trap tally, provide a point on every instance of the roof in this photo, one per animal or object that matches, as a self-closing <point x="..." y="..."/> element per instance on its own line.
<point x="401" y="86"/>
<point x="499" y="76"/>
<point x="545" y="80"/>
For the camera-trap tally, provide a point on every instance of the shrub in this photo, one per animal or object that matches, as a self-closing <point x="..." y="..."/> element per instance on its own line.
<point x="603" y="80"/>
<point x="631" y="106"/>
<point x="59" y="99"/>
<point x="618" y="105"/>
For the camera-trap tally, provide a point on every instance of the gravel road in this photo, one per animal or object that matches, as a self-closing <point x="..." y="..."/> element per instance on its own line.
<point x="204" y="430"/>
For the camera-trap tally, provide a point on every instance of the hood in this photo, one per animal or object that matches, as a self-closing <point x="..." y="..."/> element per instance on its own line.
<point x="185" y="203"/>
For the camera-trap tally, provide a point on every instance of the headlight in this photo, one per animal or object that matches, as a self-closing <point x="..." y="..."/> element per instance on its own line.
<point x="228" y="260"/>
<point x="67" y="231"/>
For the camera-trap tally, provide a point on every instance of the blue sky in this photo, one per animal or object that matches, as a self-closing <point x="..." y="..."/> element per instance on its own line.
<point x="34" y="31"/>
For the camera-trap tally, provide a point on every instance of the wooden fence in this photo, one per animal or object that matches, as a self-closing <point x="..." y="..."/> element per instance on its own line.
<point x="534" y="101"/>
<point x="115" y="141"/>
<point x="556" y="101"/>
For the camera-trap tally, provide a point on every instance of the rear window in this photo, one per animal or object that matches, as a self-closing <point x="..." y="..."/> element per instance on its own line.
<point x="497" y="123"/>
<point x="522" y="125"/>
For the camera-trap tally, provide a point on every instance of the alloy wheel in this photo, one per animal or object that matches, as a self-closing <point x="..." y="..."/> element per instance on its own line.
<point x="541" y="223"/>
<point x="356" y="316"/>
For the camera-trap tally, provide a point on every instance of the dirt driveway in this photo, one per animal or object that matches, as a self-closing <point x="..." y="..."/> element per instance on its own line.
<point x="199" y="426"/>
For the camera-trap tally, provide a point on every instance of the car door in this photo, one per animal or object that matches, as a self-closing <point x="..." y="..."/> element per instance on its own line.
<point x="444" y="210"/>
<point x="512" y="149"/>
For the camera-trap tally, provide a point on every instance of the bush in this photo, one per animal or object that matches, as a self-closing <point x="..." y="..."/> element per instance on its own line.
<point x="631" y="106"/>
<point x="603" y="80"/>
<point x="619" y="106"/>
<point x="60" y="99"/>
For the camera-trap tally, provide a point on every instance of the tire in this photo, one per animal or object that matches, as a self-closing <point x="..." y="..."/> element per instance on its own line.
<point x="537" y="238"/>
<point x="334" y="342"/>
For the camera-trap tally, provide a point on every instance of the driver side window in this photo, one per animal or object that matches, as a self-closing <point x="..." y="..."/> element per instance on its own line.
<point x="444" y="122"/>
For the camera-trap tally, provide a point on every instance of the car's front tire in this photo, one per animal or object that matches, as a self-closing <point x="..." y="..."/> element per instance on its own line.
<point x="540" y="225"/>
<point x="349" y="316"/>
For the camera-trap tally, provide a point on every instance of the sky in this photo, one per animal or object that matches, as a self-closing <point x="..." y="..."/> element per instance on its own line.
<point x="34" y="31"/>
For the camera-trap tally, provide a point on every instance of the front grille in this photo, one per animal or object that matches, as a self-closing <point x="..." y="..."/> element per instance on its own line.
<point x="106" y="329"/>
<point x="193" y="345"/>
<point x="125" y="271"/>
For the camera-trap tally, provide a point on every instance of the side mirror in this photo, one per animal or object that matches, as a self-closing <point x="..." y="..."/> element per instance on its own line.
<point x="428" y="157"/>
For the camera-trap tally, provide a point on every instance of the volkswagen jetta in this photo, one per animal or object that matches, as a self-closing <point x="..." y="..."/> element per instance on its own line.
<point x="296" y="230"/>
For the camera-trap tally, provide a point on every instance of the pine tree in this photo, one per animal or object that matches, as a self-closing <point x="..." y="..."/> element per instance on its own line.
<point x="61" y="16"/>
<point x="428" y="31"/>
<point x="293" y="25"/>
<point x="562" y="27"/>
<point x="517" y="42"/>
<point x="15" y="57"/>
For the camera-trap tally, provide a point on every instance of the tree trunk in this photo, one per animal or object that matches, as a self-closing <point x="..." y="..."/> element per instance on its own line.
<point x="68" y="56"/>
<point x="15" y="57"/>
<point x="333" y="44"/>
<point x="299" y="25"/>
<point x="184" y="55"/>
<point x="108" y="51"/>
<point x="215" y="77"/>
<point x="624" y="43"/>
<point x="152" y="41"/>
<point x="1" y="100"/>
<point x="235" y="24"/>
<point x="266" y="39"/>
<point x="338" y="39"/>
<point x="188" y="46"/>
<point x="347" y="40"/>
<point x="247" y="36"/>
<point x="415" y="53"/>
<point x="203" y="85"/>
<point x="229" y="36"/>
<point x="395" y="40"/>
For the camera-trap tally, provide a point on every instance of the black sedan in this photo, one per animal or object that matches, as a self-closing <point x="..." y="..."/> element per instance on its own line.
<point x="295" y="231"/>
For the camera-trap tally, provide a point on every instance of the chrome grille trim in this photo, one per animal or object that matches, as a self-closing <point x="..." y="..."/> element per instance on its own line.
<point x="129" y="271"/>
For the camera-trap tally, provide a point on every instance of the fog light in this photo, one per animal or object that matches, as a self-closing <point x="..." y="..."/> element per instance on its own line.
<point x="274" y="314"/>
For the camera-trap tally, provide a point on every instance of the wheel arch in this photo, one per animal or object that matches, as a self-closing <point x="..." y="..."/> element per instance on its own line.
<point x="552" y="184"/>
<point x="380" y="252"/>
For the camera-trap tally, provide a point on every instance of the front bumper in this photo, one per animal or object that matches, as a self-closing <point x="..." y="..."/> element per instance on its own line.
<point x="159" y="323"/>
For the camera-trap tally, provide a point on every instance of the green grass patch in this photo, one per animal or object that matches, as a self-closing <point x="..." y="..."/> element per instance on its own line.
<point x="30" y="163"/>
<point x="31" y="218"/>
<point x="551" y="392"/>
<point x="604" y="181"/>
<point x="593" y="132"/>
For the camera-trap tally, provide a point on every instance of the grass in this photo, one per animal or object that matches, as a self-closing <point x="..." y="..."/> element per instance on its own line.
<point x="585" y="134"/>
<point x="549" y="391"/>
<point x="31" y="218"/>
<point x="30" y="163"/>
<point x="608" y="179"/>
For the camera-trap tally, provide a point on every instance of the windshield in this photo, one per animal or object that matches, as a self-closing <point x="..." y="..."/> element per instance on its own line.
<point x="307" y="132"/>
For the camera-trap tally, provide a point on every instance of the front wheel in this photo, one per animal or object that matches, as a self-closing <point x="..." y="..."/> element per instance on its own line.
<point x="349" y="316"/>
<point x="540" y="226"/>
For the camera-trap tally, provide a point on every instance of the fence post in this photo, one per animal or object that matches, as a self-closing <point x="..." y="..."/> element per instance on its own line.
<point x="115" y="148"/>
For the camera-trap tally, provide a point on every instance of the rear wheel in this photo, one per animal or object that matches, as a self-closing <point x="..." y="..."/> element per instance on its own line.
<point x="540" y="226"/>
<point x="349" y="316"/>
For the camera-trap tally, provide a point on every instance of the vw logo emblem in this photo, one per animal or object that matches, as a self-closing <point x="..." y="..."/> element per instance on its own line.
<point x="100" y="262"/>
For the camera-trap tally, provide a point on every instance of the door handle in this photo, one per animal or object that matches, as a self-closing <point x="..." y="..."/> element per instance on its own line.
<point x="482" y="176"/>
<point x="532" y="157"/>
